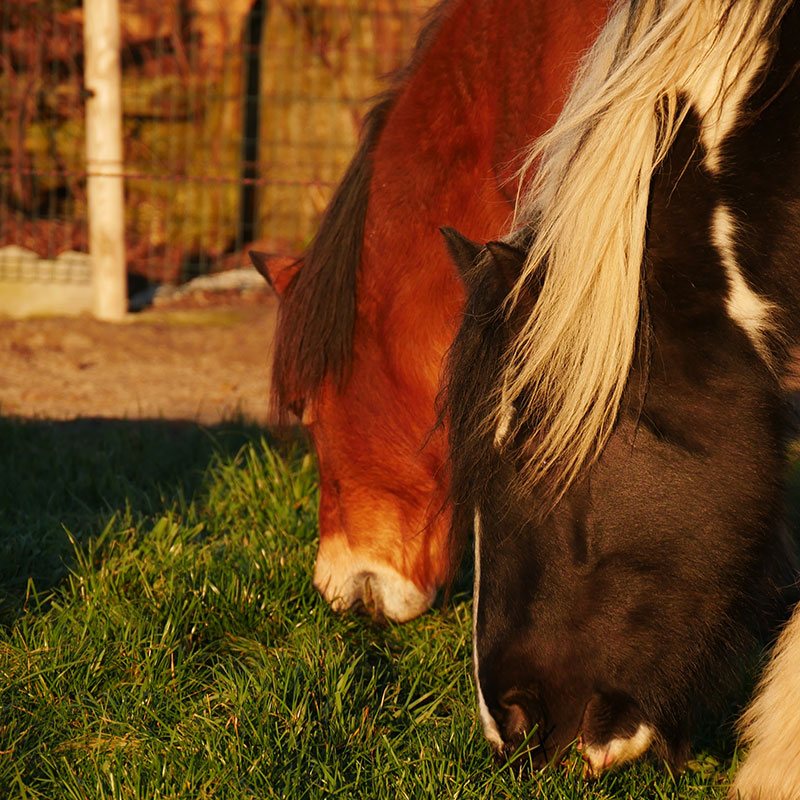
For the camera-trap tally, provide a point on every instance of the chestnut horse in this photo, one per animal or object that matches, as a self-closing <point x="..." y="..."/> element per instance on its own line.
<point x="365" y="321"/>
<point x="617" y="421"/>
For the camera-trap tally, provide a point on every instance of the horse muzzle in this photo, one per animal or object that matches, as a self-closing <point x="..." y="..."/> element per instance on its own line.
<point x="353" y="581"/>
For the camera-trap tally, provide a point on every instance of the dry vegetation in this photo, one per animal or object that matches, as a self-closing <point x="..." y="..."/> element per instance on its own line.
<point x="184" y="88"/>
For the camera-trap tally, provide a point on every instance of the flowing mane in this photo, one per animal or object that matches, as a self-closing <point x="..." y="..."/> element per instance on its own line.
<point x="314" y="333"/>
<point x="566" y="371"/>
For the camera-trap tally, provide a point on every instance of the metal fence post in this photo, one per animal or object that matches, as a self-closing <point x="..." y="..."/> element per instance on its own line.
<point x="106" y="210"/>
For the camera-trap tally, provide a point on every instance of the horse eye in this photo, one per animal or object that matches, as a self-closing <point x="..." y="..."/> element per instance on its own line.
<point x="303" y="411"/>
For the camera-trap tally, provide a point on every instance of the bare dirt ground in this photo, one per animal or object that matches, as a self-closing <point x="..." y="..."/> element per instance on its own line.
<point x="204" y="358"/>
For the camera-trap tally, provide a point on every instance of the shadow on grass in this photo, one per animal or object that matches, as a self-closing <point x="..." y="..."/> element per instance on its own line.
<point x="67" y="479"/>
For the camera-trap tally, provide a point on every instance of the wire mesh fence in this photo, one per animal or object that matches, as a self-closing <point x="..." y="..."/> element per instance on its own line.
<point x="239" y="116"/>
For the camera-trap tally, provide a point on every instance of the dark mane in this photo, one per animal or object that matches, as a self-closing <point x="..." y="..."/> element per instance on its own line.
<point x="316" y="320"/>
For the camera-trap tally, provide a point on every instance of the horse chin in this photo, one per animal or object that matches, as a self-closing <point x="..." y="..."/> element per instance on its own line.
<point x="351" y="581"/>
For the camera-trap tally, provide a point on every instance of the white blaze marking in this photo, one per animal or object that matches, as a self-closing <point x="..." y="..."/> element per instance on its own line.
<point x="746" y="308"/>
<point x="490" y="730"/>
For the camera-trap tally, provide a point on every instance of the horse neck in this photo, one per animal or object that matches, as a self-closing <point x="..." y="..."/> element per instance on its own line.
<point x="758" y="189"/>
<point x="685" y="284"/>
<point x="460" y="119"/>
<point x="466" y="111"/>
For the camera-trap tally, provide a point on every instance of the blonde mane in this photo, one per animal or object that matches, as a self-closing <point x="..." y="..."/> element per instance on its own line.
<point x="567" y="369"/>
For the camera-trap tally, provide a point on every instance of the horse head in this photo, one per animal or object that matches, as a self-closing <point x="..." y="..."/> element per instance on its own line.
<point x="381" y="493"/>
<point x="537" y="629"/>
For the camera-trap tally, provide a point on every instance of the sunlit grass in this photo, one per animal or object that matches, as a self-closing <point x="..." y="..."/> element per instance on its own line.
<point x="171" y="644"/>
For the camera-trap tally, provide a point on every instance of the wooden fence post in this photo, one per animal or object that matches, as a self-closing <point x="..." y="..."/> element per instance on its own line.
<point x="106" y="209"/>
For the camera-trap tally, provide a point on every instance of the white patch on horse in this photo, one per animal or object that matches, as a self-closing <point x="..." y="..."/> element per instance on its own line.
<point x="490" y="730"/>
<point x="746" y="308"/>
<point x="719" y="97"/>
<point x="600" y="757"/>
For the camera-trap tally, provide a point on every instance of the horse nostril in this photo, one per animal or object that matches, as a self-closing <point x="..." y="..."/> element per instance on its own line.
<point x="523" y="741"/>
<point x="517" y="720"/>
<point x="368" y="600"/>
<point x="367" y="597"/>
<point x="516" y="726"/>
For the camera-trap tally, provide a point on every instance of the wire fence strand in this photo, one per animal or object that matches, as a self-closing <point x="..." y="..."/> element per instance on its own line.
<point x="239" y="117"/>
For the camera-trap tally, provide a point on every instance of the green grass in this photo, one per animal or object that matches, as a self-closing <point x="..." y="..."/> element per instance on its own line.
<point x="170" y="644"/>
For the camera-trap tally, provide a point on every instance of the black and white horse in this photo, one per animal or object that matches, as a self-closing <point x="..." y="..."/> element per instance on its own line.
<point x="616" y="415"/>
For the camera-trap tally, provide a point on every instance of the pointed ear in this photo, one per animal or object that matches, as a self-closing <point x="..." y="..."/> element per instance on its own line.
<point x="277" y="271"/>
<point x="508" y="261"/>
<point x="463" y="251"/>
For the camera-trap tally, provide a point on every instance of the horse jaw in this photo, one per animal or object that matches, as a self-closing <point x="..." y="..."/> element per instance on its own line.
<point x="351" y="579"/>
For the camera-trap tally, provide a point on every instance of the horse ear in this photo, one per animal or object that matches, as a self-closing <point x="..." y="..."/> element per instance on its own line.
<point x="508" y="261"/>
<point x="277" y="271"/>
<point x="463" y="251"/>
